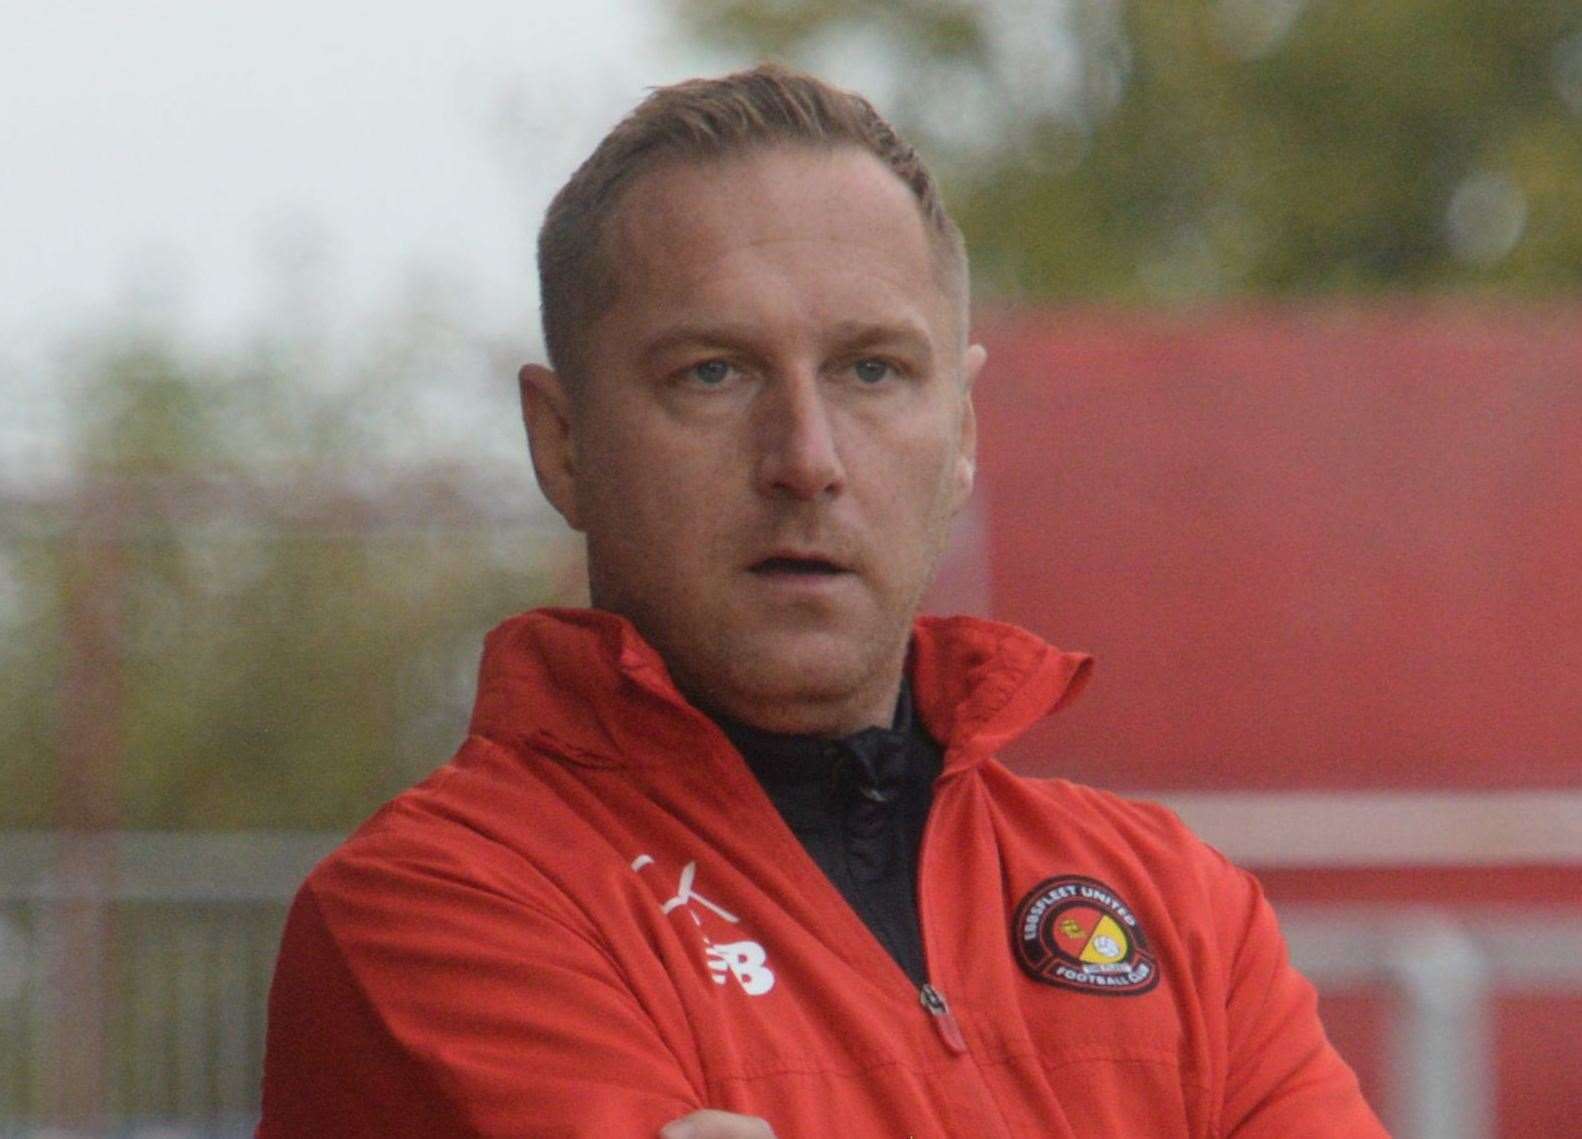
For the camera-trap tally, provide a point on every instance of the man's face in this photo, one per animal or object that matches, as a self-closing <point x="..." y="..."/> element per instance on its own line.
<point x="773" y="432"/>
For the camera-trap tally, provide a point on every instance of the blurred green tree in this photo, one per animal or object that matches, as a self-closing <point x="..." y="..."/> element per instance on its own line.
<point x="255" y="598"/>
<point x="1210" y="148"/>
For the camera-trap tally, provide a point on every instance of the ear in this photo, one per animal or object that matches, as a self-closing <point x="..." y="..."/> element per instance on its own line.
<point x="546" y="412"/>
<point x="967" y="441"/>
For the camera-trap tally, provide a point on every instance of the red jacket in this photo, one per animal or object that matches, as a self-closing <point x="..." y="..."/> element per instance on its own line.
<point x="592" y="921"/>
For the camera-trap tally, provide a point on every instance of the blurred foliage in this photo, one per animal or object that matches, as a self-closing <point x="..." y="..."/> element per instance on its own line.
<point x="1161" y="151"/>
<point x="253" y="582"/>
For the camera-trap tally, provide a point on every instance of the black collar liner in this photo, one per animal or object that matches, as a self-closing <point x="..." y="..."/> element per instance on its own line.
<point x="877" y="761"/>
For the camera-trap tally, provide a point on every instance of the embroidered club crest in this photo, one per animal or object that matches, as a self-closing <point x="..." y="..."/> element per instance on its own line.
<point x="1077" y="933"/>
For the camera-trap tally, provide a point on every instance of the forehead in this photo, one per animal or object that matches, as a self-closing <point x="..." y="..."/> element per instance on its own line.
<point x="816" y="229"/>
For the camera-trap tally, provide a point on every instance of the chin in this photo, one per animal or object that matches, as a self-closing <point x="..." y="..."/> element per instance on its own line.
<point x="838" y="657"/>
<point x="804" y="681"/>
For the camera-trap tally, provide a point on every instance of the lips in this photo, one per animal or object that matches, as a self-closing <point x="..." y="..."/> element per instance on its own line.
<point x="799" y="564"/>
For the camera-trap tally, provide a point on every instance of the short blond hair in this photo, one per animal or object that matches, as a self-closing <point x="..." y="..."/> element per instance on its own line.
<point x="702" y="120"/>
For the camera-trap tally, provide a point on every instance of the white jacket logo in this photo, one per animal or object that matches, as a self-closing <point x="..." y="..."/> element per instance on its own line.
<point x="744" y="960"/>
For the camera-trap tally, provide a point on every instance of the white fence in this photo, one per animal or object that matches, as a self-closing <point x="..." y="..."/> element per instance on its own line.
<point x="184" y="930"/>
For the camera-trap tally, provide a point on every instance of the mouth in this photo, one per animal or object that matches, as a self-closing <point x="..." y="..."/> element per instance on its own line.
<point x="797" y="565"/>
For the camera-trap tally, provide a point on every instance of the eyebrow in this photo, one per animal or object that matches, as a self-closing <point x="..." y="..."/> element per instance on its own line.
<point x="696" y="335"/>
<point x="849" y="335"/>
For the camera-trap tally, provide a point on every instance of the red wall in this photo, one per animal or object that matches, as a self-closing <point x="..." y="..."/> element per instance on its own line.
<point x="1312" y="549"/>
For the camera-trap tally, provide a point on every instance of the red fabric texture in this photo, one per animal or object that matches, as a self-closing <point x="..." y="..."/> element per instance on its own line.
<point x="592" y="921"/>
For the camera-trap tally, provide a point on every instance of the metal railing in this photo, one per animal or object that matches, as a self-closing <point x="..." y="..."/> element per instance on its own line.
<point x="188" y="928"/>
<point x="1444" y="975"/>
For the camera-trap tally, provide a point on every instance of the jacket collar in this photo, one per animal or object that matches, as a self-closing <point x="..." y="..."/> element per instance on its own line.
<point x="585" y="686"/>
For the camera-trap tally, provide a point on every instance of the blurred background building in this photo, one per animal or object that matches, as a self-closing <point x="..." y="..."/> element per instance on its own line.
<point x="1283" y="421"/>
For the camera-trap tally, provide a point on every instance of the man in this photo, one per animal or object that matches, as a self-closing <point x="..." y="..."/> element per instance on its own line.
<point x="677" y="880"/>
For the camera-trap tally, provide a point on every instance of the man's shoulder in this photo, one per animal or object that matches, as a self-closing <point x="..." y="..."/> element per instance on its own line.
<point x="1120" y="825"/>
<point x="1085" y="801"/>
<point x="492" y="819"/>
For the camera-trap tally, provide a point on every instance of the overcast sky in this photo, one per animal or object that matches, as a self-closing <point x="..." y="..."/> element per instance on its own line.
<point x="195" y="159"/>
<point x="189" y="146"/>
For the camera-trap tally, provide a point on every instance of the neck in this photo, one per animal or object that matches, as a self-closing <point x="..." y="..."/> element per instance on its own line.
<point x="900" y="719"/>
<point x="827" y="719"/>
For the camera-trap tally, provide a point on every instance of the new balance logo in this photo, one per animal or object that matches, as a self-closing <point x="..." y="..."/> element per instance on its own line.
<point x="743" y="961"/>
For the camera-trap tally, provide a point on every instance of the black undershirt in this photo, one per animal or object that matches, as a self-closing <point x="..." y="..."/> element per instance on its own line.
<point x="858" y="805"/>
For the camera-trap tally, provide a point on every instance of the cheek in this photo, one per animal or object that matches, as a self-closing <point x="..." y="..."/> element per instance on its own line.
<point x="929" y="475"/>
<point x="649" y="496"/>
<point x="912" y="508"/>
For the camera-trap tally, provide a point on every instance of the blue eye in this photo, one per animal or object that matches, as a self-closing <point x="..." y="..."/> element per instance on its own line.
<point x="872" y="371"/>
<point x="711" y="373"/>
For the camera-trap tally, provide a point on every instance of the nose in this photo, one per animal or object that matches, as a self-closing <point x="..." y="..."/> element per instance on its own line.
<point x="799" y="456"/>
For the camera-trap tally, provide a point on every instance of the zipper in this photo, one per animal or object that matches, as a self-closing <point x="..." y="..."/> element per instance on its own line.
<point x="932" y="1000"/>
<point x="944" y="1020"/>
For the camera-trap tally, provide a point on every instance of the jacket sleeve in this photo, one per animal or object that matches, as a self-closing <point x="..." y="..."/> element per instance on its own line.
<point x="413" y="998"/>
<point x="1284" y="1079"/>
